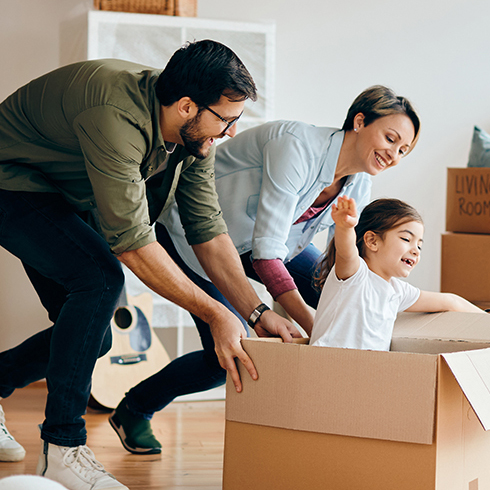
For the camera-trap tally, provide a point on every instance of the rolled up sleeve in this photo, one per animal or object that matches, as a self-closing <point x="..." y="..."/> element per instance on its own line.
<point x="114" y="147"/>
<point x="285" y="159"/>
<point x="197" y="201"/>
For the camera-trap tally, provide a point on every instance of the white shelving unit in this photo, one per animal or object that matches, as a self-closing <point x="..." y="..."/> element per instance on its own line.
<point x="152" y="39"/>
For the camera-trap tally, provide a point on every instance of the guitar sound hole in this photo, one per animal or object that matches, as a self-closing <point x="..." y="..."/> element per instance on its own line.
<point x="123" y="318"/>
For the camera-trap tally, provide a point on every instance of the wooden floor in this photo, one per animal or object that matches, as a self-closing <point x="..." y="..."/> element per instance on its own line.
<point x="192" y="436"/>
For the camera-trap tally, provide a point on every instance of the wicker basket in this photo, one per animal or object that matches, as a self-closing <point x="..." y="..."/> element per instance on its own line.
<point x="184" y="8"/>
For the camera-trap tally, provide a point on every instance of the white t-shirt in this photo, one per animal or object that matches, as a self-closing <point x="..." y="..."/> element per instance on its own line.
<point x="359" y="313"/>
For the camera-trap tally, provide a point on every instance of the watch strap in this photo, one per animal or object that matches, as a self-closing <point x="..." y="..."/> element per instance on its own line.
<point x="256" y="314"/>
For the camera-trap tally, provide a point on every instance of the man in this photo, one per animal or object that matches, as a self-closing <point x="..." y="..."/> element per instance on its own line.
<point x="107" y="145"/>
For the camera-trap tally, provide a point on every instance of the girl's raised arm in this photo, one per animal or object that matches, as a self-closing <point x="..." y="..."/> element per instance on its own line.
<point x="344" y="213"/>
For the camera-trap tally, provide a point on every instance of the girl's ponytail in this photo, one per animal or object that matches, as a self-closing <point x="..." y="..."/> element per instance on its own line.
<point x="325" y="266"/>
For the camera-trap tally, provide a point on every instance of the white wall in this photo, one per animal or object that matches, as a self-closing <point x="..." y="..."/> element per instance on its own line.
<point x="29" y="46"/>
<point x="432" y="51"/>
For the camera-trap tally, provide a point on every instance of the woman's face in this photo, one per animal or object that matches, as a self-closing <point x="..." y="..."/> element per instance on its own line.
<point x="382" y="144"/>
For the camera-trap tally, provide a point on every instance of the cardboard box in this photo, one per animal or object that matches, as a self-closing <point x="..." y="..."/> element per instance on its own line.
<point x="468" y="200"/>
<point x="484" y="305"/>
<point x="465" y="265"/>
<point x="346" y="419"/>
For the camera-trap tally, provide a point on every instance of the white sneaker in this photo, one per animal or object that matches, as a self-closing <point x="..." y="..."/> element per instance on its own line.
<point x="75" y="467"/>
<point x="10" y="449"/>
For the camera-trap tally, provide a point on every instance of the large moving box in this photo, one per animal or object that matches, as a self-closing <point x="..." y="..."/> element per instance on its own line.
<point x="465" y="265"/>
<point x="468" y="200"/>
<point x="346" y="419"/>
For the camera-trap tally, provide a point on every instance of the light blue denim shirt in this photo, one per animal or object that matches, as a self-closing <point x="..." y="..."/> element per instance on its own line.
<point x="266" y="178"/>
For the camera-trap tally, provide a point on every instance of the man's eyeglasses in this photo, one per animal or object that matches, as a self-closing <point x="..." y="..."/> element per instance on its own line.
<point x="229" y="124"/>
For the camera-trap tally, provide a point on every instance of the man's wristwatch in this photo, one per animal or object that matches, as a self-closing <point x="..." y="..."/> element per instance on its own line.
<point x="256" y="314"/>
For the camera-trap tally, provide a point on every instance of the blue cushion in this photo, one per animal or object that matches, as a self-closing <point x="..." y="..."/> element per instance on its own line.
<point x="480" y="149"/>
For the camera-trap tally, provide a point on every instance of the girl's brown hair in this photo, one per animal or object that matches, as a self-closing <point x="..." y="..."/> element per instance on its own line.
<point x="380" y="216"/>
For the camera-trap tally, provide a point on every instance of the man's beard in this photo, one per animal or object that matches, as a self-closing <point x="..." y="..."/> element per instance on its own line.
<point x="193" y="139"/>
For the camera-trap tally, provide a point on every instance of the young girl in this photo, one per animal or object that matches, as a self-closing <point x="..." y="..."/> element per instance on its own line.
<point x="362" y="294"/>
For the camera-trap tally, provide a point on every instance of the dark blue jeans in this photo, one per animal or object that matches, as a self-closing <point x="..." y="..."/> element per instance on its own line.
<point x="78" y="281"/>
<point x="200" y="370"/>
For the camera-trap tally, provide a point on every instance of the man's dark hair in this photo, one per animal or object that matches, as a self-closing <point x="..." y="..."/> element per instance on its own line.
<point x="204" y="71"/>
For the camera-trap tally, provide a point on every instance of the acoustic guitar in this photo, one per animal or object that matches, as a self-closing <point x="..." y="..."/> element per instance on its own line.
<point x="136" y="352"/>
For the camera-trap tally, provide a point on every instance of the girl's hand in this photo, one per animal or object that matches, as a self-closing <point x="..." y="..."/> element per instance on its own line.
<point x="347" y="256"/>
<point x="344" y="213"/>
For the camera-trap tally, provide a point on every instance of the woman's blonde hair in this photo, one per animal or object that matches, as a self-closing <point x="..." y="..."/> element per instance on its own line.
<point x="380" y="216"/>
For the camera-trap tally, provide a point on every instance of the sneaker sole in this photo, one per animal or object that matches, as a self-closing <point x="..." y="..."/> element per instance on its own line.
<point x="12" y="455"/>
<point x="122" y="437"/>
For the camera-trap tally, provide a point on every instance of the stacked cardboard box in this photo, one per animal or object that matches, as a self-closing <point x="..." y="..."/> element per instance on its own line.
<point x="466" y="244"/>
<point x="345" y="419"/>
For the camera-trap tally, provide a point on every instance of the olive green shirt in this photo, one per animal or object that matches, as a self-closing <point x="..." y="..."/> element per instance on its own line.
<point x="91" y="131"/>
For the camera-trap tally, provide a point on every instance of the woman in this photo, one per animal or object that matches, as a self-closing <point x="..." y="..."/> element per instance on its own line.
<point x="276" y="184"/>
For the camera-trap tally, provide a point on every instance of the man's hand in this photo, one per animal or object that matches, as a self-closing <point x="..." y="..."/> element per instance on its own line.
<point x="227" y="333"/>
<point x="273" y="325"/>
<point x="159" y="272"/>
<point x="221" y="262"/>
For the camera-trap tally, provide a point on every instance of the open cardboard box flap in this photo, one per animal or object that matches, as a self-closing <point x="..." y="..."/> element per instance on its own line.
<point x="463" y="339"/>
<point x="447" y="332"/>
<point x="371" y="394"/>
<point x="472" y="372"/>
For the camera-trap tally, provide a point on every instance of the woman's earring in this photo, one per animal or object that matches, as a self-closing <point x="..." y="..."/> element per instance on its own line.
<point x="355" y="129"/>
